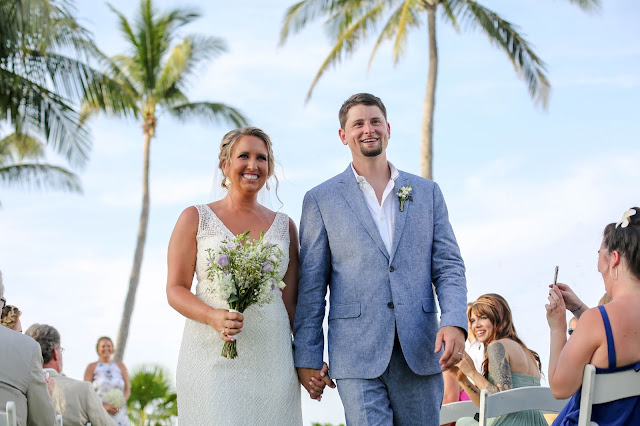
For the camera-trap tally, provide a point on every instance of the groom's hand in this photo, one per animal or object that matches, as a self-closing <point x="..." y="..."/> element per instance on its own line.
<point x="314" y="381"/>
<point x="453" y="340"/>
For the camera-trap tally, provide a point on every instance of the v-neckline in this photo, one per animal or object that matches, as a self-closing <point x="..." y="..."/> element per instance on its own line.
<point x="231" y="232"/>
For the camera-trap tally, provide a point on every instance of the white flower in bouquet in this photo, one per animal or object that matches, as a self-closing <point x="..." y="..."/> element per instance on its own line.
<point x="114" y="397"/>
<point x="244" y="272"/>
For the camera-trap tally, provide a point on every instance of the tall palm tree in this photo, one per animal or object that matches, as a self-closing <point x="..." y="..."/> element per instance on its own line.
<point x="45" y="71"/>
<point x="153" y="398"/>
<point x="155" y="73"/>
<point x="20" y="164"/>
<point x="349" y="22"/>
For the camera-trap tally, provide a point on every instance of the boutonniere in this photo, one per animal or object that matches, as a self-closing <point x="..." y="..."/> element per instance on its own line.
<point x="360" y="180"/>
<point x="404" y="194"/>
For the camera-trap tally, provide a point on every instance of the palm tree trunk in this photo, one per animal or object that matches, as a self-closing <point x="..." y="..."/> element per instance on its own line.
<point x="123" y="334"/>
<point x="426" y="150"/>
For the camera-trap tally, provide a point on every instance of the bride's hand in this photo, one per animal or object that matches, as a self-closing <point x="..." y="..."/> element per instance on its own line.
<point x="227" y="323"/>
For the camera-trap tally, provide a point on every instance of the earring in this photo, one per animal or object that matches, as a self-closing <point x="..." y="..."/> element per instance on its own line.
<point x="226" y="182"/>
<point x="267" y="185"/>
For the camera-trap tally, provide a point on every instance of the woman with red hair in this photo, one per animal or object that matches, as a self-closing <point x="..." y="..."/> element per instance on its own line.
<point x="508" y="362"/>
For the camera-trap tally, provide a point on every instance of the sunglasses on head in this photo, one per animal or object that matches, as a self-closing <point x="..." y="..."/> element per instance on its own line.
<point x="570" y="331"/>
<point x="4" y="302"/>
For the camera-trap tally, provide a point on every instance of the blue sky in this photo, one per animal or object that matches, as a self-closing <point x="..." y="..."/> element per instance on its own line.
<point x="527" y="189"/>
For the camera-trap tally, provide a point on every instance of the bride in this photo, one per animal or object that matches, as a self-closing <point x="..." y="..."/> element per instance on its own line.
<point x="260" y="386"/>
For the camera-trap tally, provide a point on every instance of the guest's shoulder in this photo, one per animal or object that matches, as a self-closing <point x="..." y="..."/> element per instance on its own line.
<point x="18" y="341"/>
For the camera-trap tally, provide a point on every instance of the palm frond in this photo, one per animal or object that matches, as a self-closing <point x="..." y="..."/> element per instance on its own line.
<point x="39" y="109"/>
<point x="185" y="57"/>
<point x="300" y="14"/>
<point x="209" y="112"/>
<point x="587" y="5"/>
<point x="125" y="26"/>
<point x="19" y="146"/>
<point x="448" y="14"/>
<point x="504" y="34"/>
<point x="397" y="27"/>
<point x="348" y="41"/>
<point x="40" y="177"/>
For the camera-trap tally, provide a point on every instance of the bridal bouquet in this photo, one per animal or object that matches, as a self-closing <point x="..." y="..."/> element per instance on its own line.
<point x="114" y="397"/>
<point x="244" y="272"/>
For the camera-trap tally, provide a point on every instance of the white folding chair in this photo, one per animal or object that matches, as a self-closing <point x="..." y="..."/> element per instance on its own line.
<point x="602" y="388"/>
<point x="58" y="419"/>
<point x="9" y="418"/>
<point x="454" y="411"/>
<point x="520" y="399"/>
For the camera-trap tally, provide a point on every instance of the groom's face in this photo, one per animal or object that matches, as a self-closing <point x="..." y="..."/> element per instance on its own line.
<point x="366" y="131"/>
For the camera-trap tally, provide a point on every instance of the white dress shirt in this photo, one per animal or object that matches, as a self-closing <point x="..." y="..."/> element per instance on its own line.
<point x="384" y="214"/>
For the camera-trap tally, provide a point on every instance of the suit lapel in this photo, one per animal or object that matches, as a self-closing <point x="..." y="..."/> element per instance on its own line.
<point x="355" y="198"/>
<point x="401" y="216"/>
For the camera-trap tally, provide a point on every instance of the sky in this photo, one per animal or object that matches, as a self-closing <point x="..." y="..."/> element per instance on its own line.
<point x="527" y="189"/>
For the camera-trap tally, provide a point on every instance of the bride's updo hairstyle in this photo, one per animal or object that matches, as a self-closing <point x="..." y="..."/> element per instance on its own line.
<point x="228" y="142"/>
<point x="624" y="237"/>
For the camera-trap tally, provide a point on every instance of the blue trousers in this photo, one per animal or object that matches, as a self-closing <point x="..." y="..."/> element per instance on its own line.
<point x="398" y="397"/>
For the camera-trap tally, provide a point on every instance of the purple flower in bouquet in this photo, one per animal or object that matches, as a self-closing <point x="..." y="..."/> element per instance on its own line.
<point x="267" y="267"/>
<point x="223" y="260"/>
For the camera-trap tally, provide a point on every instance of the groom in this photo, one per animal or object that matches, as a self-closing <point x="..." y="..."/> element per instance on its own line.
<point x="381" y="240"/>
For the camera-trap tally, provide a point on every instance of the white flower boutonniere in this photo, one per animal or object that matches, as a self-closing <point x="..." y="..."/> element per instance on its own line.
<point x="626" y="218"/>
<point x="360" y="180"/>
<point x="404" y="194"/>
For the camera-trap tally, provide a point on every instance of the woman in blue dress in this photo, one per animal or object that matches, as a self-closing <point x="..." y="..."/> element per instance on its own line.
<point x="508" y="363"/>
<point x="606" y="336"/>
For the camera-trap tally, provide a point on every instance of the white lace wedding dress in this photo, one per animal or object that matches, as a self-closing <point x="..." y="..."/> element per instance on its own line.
<point x="260" y="386"/>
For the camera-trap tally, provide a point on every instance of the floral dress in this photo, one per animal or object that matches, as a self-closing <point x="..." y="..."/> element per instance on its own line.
<point x="106" y="378"/>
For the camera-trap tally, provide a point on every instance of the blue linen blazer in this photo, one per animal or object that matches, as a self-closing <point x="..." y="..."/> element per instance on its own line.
<point x="373" y="292"/>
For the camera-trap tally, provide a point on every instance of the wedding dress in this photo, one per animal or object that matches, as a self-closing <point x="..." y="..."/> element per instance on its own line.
<point x="260" y="386"/>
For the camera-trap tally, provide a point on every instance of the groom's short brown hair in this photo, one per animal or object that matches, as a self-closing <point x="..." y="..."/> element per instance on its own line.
<point x="360" y="99"/>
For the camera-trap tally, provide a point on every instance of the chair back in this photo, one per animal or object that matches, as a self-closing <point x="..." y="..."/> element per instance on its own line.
<point x="9" y="417"/>
<point x="456" y="410"/>
<point x="602" y="388"/>
<point x="519" y="399"/>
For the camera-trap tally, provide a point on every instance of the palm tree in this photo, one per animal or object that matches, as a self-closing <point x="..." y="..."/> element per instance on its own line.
<point x="155" y="73"/>
<point x="20" y="164"/>
<point x="45" y="70"/>
<point x="349" y="22"/>
<point x="153" y="398"/>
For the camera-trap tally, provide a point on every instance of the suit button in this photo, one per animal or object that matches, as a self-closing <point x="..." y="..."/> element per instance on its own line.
<point x="391" y="269"/>
<point x="390" y="305"/>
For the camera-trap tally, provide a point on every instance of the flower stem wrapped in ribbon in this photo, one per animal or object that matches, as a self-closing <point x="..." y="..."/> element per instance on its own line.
<point x="244" y="272"/>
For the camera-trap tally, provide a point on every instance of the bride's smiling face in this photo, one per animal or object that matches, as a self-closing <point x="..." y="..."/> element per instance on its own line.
<point x="248" y="168"/>
<point x="105" y="348"/>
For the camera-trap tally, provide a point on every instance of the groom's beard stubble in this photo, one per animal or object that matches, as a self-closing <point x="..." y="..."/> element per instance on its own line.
<point x="374" y="152"/>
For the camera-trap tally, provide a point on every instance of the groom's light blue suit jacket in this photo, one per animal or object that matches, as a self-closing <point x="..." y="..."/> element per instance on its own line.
<point x="373" y="292"/>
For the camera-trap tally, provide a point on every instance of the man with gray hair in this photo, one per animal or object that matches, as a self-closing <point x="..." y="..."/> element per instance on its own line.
<point x="21" y="377"/>
<point x="78" y="403"/>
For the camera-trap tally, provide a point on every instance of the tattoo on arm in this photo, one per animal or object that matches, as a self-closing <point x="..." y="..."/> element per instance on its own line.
<point x="500" y="368"/>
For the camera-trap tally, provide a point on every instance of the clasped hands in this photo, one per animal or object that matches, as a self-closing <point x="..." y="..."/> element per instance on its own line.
<point x="314" y="381"/>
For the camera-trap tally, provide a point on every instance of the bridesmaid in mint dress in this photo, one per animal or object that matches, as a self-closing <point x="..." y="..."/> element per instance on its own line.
<point x="509" y="364"/>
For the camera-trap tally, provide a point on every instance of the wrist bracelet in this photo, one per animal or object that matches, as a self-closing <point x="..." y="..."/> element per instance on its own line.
<point x="581" y="305"/>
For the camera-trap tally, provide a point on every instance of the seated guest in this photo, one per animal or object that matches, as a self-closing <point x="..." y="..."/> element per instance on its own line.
<point x="606" y="336"/>
<point x="10" y="318"/>
<point x="21" y="377"/>
<point x="75" y="400"/>
<point x="453" y="392"/>
<point x="509" y="363"/>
